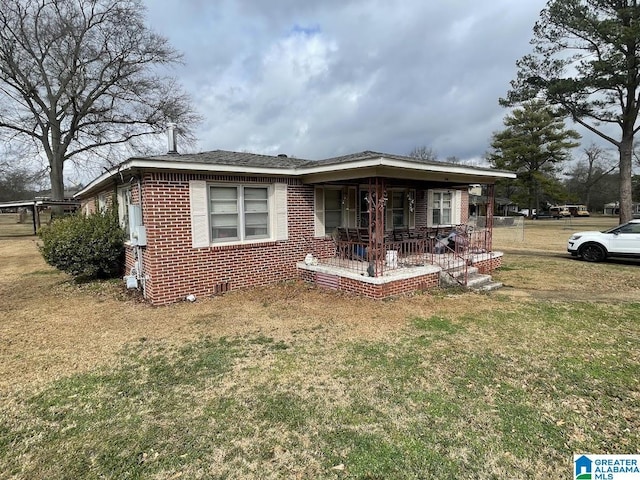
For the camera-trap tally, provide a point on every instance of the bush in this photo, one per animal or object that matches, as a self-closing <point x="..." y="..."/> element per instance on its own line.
<point x="85" y="246"/>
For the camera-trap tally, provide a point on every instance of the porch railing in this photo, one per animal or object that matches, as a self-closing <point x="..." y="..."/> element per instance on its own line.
<point x="448" y="247"/>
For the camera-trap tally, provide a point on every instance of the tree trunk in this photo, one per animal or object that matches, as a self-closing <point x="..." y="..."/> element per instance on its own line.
<point x="626" y="158"/>
<point x="57" y="184"/>
<point x="57" y="179"/>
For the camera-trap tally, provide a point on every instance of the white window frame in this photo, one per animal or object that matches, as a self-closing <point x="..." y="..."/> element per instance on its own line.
<point x="456" y="202"/>
<point x="101" y="203"/>
<point x="241" y="213"/>
<point x="409" y="214"/>
<point x="201" y="231"/>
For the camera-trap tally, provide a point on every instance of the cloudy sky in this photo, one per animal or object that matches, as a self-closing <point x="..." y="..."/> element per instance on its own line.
<point x="316" y="79"/>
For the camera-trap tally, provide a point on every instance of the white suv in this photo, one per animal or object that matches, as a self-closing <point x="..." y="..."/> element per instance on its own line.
<point x="620" y="241"/>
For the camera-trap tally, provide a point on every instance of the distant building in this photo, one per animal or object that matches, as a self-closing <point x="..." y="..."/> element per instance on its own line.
<point x="613" y="208"/>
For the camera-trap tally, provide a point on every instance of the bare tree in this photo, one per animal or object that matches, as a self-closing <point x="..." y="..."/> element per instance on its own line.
<point x="593" y="180"/>
<point x="18" y="184"/>
<point x="79" y="76"/>
<point x="424" y="153"/>
<point x="599" y="165"/>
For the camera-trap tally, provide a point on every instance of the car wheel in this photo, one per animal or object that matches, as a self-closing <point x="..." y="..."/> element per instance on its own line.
<point x="592" y="252"/>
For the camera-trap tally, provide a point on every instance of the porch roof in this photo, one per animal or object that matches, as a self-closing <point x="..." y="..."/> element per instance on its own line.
<point x="359" y="165"/>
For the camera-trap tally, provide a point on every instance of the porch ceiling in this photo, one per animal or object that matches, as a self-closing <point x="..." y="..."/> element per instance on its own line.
<point x="456" y="176"/>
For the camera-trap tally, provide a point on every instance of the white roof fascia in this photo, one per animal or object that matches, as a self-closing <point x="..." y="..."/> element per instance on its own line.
<point x="102" y="178"/>
<point x="184" y="166"/>
<point x="214" y="167"/>
<point x="24" y="203"/>
<point x="293" y="172"/>
<point x="386" y="162"/>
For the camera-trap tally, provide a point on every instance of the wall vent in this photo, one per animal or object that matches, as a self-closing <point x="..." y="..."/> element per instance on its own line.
<point x="327" y="281"/>
<point x="221" y="288"/>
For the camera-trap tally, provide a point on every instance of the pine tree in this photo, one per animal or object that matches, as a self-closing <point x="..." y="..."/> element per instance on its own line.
<point x="533" y="144"/>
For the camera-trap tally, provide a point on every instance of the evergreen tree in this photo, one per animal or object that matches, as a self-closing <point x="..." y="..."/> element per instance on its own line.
<point x="533" y="144"/>
<point x="585" y="60"/>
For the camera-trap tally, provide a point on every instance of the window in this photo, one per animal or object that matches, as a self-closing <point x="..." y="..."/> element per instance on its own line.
<point x="364" y="207"/>
<point x="124" y="200"/>
<point x="443" y="207"/>
<point x="629" y="228"/>
<point x="256" y="211"/>
<point x="224" y="213"/>
<point x="441" y="213"/>
<point x="398" y="209"/>
<point x="238" y="213"/>
<point x="334" y="207"/>
<point x="101" y="203"/>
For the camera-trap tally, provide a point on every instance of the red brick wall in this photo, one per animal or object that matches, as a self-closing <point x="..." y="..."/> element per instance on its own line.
<point x="175" y="269"/>
<point x="379" y="291"/>
<point x="489" y="265"/>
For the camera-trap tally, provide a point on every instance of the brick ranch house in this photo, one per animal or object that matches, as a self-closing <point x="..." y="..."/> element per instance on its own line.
<point x="370" y="223"/>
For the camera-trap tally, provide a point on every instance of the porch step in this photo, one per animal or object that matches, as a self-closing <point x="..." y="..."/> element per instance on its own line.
<point x="476" y="281"/>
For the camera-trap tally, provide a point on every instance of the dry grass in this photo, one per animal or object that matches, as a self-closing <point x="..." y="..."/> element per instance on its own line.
<point x="288" y="381"/>
<point x="52" y="326"/>
<point x="10" y="225"/>
<point x="538" y="266"/>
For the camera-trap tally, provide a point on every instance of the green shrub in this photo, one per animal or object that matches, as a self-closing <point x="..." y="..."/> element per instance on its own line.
<point x="85" y="246"/>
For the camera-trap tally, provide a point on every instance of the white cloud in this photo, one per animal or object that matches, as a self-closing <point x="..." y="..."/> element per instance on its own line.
<point x="322" y="78"/>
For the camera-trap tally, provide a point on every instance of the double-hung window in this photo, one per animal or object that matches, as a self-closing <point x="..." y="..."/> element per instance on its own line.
<point x="441" y="214"/>
<point x="238" y="212"/>
<point x="124" y="200"/>
<point x="443" y="207"/>
<point x="334" y="207"/>
<point x="101" y="203"/>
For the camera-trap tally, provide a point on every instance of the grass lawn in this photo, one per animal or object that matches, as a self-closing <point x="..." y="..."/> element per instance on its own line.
<point x="10" y="225"/>
<point x="290" y="381"/>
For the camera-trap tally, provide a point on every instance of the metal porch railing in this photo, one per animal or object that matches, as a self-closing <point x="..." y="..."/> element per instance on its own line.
<point x="448" y="247"/>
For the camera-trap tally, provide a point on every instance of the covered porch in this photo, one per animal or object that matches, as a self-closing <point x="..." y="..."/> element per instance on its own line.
<point x="405" y="261"/>
<point x="381" y="220"/>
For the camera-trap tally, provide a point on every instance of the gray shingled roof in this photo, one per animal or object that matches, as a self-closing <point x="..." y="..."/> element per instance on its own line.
<point x="370" y="155"/>
<point x="223" y="157"/>
<point x="251" y="162"/>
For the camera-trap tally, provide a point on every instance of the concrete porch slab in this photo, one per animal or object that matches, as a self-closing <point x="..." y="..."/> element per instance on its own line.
<point x="403" y="273"/>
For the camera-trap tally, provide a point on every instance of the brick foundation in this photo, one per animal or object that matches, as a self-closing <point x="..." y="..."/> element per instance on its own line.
<point x="488" y="265"/>
<point x="377" y="288"/>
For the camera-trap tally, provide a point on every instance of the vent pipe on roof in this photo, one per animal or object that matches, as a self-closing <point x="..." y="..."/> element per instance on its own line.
<point x="171" y="136"/>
